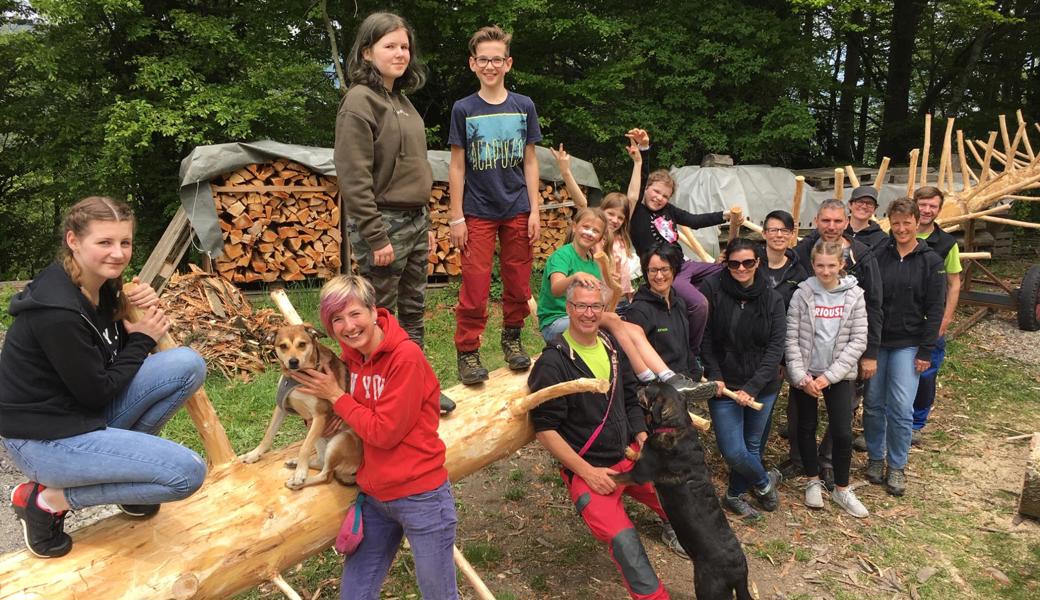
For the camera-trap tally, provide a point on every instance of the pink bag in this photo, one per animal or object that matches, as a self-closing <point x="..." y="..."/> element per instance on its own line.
<point x="353" y="529"/>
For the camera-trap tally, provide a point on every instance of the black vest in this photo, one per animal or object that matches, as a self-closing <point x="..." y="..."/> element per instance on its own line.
<point x="940" y="242"/>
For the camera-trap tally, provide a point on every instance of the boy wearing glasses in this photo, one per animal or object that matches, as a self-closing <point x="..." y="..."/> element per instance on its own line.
<point x="494" y="195"/>
<point x="587" y="433"/>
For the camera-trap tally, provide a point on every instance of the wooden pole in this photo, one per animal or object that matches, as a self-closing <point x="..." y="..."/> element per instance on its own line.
<point x="200" y="409"/>
<point x="911" y="173"/>
<point x="988" y="156"/>
<point x="975" y="256"/>
<point x="839" y="183"/>
<point x="958" y="218"/>
<point x="882" y="171"/>
<point x="945" y="157"/>
<point x="686" y="235"/>
<point x="472" y="576"/>
<point x="927" y="148"/>
<point x="756" y="227"/>
<point x="1004" y="134"/>
<point x="606" y="267"/>
<point x="1025" y="224"/>
<point x="736" y="217"/>
<point x="965" y="170"/>
<point x="1025" y="137"/>
<point x="851" y="174"/>
<point x="796" y="207"/>
<point x="733" y="396"/>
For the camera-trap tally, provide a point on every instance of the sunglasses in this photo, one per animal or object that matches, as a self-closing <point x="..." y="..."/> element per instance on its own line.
<point x="747" y="263"/>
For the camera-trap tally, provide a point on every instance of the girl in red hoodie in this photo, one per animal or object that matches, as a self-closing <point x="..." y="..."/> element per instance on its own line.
<point x="394" y="406"/>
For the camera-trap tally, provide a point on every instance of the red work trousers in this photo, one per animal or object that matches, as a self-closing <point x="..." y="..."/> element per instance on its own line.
<point x="514" y="266"/>
<point x="606" y="518"/>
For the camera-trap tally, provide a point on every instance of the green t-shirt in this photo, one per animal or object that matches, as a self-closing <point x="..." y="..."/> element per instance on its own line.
<point x="953" y="257"/>
<point x="595" y="356"/>
<point x="565" y="261"/>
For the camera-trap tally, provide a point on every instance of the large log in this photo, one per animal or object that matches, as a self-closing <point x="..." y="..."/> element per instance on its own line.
<point x="1029" y="502"/>
<point x="244" y="526"/>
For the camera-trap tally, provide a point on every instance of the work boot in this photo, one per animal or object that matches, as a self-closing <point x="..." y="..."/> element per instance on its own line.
<point x="769" y="497"/>
<point x="859" y="443"/>
<point x="791" y="469"/>
<point x="43" y="531"/>
<point x="513" y="349"/>
<point x="447" y="404"/>
<point x="875" y="471"/>
<point x="690" y="390"/>
<point x="740" y="507"/>
<point x="895" y="482"/>
<point x="471" y="372"/>
<point x="916" y="437"/>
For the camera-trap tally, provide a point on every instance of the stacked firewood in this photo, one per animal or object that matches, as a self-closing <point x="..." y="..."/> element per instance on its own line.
<point x="210" y="315"/>
<point x="556" y="213"/>
<point x="280" y="222"/>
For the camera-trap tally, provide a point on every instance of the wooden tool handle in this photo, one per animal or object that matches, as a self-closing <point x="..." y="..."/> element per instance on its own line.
<point x="471" y="575"/>
<point x="733" y="396"/>
<point x="686" y="235"/>
<point x="736" y="217"/>
<point x="796" y="207"/>
<point x="606" y="267"/>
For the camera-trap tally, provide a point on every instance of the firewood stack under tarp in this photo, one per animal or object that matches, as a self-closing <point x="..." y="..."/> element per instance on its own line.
<point x="211" y="316"/>
<point x="556" y="213"/>
<point x="280" y="222"/>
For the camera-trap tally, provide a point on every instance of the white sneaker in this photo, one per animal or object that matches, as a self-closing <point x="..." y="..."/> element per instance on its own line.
<point x="847" y="499"/>
<point x="814" y="494"/>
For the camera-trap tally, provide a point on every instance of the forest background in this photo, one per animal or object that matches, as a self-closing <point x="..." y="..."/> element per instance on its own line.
<point x="107" y="96"/>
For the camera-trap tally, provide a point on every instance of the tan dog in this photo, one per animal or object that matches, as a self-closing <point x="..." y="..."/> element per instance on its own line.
<point x="338" y="456"/>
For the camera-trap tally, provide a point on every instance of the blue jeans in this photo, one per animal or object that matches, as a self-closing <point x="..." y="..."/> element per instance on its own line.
<point x="741" y="433"/>
<point x="125" y="463"/>
<point x="888" y="408"/>
<point x="555" y="328"/>
<point x="428" y="520"/>
<point x="925" y="397"/>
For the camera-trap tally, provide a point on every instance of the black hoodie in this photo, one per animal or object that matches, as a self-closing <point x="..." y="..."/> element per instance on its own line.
<point x="871" y="235"/>
<point x="576" y="416"/>
<point x="62" y="361"/>
<point x="863" y="266"/>
<point x="915" y="297"/>
<point x="667" y="328"/>
<point x="784" y="280"/>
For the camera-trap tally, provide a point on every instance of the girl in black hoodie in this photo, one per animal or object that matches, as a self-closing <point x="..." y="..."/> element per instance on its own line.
<point x="742" y="347"/>
<point x="80" y="398"/>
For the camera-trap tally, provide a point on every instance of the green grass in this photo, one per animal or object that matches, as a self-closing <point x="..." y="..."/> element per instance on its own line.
<point x="482" y="554"/>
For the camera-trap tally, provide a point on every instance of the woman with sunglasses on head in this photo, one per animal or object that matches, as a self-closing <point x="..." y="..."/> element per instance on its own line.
<point x="742" y="348"/>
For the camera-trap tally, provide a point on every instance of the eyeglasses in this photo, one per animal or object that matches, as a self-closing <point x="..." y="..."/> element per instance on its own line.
<point x="747" y="263"/>
<point x="776" y="230"/>
<point x="581" y="307"/>
<point x="863" y="200"/>
<point x="658" y="271"/>
<point x="496" y="61"/>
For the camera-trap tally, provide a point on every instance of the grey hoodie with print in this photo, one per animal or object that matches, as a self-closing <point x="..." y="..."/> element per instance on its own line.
<point x="826" y="330"/>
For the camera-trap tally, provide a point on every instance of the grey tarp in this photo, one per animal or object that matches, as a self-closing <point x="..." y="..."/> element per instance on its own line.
<point x="207" y="162"/>
<point x="757" y="189"/>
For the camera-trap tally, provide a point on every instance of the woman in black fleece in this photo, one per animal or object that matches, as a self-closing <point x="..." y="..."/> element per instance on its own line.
<point x="742" y="348"/>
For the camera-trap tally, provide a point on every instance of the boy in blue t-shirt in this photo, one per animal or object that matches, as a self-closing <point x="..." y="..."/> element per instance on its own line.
<point x="494" y="195"/>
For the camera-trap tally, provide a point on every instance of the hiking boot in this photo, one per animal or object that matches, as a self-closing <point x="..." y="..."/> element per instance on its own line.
<point x="847" y="499"/>
<point x="447" y="404"/>
<point x="859" y="443"/>
<point x="740" y="507"/>
<point x="916" y="437"/>
<point x="769" y="497"/>
<point x="141" y="511"/>
<point x="875" y="471"/>
<point x="44" y="532"/>
<point x="790" y="469"/>
<point x="513" y="349"/>
<point x="827" y="475"/>
<point x="669" y="538"/>
<point x="895" y="482"/>
<point x="471" y="372"/>
<point x="692" y="391"/>
<point x="814" y="494"/>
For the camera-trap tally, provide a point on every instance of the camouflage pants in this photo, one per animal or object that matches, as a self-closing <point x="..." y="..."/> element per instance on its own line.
<point x="400" y="286"/>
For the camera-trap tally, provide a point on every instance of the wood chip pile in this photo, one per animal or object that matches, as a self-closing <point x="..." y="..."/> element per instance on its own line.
<point x="211" y="316"/>
<point x="280" y="222"/>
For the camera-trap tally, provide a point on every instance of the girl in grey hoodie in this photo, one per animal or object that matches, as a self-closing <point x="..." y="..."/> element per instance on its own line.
<point x="826" y="335"/>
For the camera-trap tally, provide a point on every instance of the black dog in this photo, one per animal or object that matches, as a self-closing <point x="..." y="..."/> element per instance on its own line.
<point x="673" y="459"/>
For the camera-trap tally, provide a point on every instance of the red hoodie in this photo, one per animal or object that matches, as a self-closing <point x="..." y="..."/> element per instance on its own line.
<point x="394" y="406"/>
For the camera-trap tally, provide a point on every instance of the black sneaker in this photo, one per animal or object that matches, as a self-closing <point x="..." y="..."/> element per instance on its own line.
<point x="513" y="350"/>
<point x="692" y="391"/>
<point x="827" y="475"/>
<point x="895" y="482"/>
<point x="471" y="372"/>
<point x="769" y="497"/>
<point x="740" y="507"/>
<point x="790" y="469"/>
<point x="447" y="404"/>
<point x="140" y="511"/>
<point x="875" y="471"/>
<point x="859" y="443"/>
<point x="44" y="532"/>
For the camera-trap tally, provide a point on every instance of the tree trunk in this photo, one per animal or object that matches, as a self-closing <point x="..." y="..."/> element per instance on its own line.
<point x="845" y="146"/>
<point x="897" y="129"/>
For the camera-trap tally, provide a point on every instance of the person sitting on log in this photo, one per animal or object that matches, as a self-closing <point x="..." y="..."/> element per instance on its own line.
<point x="393" y="406"/>
<point x="81" y="399"/>
<point x="574" y="262"/>
<point x="589" y="432"/>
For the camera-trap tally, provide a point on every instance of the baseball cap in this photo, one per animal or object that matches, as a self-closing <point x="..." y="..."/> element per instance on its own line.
<point x="865" y="191"/>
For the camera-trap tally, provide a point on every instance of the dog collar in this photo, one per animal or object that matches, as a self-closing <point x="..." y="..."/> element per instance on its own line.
<point x="664" y="430"/>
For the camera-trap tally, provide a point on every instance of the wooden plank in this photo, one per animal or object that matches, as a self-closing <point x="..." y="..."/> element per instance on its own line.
<point x="166" y="255"/>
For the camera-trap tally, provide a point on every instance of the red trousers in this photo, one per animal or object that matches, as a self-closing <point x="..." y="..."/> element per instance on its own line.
<point x="606" y="518"/>
<point x="514" y="266"/>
